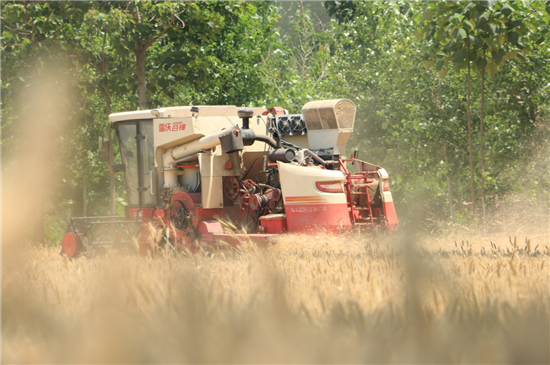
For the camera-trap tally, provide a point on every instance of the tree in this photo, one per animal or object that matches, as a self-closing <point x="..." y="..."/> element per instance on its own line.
<point x="411" y="119"/>
<point x="296" y="67"/>
<point x="483" y="34"/>
<point x="33" y="35"/>
<point x="137" y="25"/>
<point x="221" y="68"/>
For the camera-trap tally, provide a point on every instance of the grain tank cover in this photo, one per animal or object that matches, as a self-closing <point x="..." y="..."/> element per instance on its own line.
<point x="329" y="123"/>
<point x="329" y="114"/>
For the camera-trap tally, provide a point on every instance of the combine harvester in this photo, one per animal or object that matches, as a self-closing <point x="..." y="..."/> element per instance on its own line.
<point x="188" y="170"/>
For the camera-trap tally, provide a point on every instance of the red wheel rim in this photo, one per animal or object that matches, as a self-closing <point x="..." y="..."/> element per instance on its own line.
<point x="231" y="187"/>
<point x="68" y="245"/>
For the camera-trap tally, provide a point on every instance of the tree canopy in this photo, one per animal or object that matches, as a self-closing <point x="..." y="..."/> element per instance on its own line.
<point x="453" y="97"/>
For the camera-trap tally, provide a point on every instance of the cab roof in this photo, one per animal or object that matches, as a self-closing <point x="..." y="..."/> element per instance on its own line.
<point x="181" y="112"/>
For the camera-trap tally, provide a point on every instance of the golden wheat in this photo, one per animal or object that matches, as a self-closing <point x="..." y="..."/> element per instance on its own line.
<point x="303" y="299"/>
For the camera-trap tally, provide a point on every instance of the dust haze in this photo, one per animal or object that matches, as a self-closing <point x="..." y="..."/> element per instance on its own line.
<point x="469" y="296"/>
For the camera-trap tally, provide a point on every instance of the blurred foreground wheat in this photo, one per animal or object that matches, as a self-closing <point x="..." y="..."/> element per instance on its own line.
<point x="305" y="299"/>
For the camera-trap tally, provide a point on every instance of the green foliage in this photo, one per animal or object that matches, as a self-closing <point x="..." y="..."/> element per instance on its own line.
<point x="403" y="64"/>
<point x="483" y="33"/>
<point x="296" y="66"/>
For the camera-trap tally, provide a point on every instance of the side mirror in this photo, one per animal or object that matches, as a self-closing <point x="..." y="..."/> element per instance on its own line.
<point x="103" y="149"/>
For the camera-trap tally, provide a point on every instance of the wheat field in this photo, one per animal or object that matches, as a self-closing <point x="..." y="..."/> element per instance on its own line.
<point x="304" y="299"/>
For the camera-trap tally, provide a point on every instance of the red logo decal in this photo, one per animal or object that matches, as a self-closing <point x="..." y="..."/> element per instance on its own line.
<point x="165" y="127"/>
<point x="178" y="126"/>
<point x="172" y="127"/>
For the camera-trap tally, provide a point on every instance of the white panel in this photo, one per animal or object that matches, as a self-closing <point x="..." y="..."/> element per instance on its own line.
<point x="322" y="138"/>
<point x="212" y="192"/>
<point x="214" y="165"/>
<point x="300" y="181"/>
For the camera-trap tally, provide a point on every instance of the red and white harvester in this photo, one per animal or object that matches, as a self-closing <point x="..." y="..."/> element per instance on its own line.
<point x="189" y="170"/>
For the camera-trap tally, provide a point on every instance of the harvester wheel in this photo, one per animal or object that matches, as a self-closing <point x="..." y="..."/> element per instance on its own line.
<point x="179" y="215"/>
<point x="69" y="245"/>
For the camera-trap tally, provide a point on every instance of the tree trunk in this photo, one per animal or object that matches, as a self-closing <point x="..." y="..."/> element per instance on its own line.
<point x="449" y="187"/>
<point x="107" y="94"/>
<point x="472" y="191"/>
<point x="112" y="191"/>
<point x="481" y="137"/>
<point x="142" y="85"/>
<point x="84" y="197"/>
<point x="542" y="172"/>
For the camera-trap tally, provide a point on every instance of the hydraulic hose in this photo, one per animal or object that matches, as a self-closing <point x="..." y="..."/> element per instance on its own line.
<point x="268" y="140"/>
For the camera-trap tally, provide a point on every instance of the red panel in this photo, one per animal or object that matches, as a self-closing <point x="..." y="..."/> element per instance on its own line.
<point x="202" y="214"/>
<point x="197" y="197"/>
<point x="208" y="228"/>
<point x="313" y="217"/>
<point x="391" y="217"/>
<point x="273" y="224"/>
<point x="275" y="110"/>
<point x="235" y="240"/>
<point x="140" y="212"/>
<point x="160" y="213"/>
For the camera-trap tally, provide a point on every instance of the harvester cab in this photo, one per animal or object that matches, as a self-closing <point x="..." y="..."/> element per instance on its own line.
<point x="211" y="176"/>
